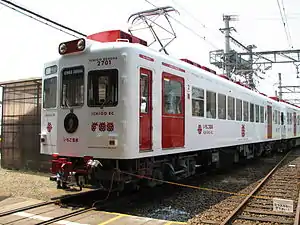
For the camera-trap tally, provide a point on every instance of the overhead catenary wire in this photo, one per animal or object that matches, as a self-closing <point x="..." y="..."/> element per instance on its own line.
<point x="21" y="10"/>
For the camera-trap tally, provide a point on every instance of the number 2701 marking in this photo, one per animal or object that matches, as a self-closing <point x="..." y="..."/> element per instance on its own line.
<point x="104" y="62"/>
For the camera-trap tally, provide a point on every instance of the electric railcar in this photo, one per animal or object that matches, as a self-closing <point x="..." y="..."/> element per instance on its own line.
<point x="112" y="105"/>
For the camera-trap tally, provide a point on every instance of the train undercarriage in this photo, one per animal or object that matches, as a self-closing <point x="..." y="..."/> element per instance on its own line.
<point x="116" y="175"/>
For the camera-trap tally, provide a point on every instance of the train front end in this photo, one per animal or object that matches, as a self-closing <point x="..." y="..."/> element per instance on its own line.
<point x="83" y="113"/>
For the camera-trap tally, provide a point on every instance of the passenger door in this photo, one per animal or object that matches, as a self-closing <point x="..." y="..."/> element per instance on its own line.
<point x="173" y="106"/>
<point x="269" y="121"/>
<point x="145" y="109"/>
<point x="295" y="123"/>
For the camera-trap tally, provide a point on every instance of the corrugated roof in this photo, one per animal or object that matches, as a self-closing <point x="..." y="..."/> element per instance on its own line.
<point x="31" y="79"/>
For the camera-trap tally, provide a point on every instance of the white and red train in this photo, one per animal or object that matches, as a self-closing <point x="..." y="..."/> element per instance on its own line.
<point x="111" y="104"/>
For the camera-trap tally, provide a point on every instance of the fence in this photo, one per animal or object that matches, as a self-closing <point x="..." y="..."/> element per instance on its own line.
<point x="21" y="110"/>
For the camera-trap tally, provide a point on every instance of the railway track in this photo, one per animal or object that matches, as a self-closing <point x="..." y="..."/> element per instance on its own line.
<point x="264" y="204"/>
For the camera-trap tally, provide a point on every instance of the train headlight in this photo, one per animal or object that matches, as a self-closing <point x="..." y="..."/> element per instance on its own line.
<point x="62" y="48"/>
<point x="80" y="44"/>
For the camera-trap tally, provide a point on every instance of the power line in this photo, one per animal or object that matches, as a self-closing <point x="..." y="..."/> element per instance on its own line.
<point x="287" y="25"/>
<point x="13" y="6"/>
<point x="284" y="24"/>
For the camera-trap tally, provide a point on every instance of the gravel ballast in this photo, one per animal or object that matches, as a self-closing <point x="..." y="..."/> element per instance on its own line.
<point x="183" y="204"/>
<point x="26" y="184"/>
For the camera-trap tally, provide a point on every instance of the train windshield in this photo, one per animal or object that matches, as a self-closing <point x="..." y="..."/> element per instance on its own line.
<point x="103" y="88"/>
<point x="72" y="87"/>
<point x="49" y="94"/>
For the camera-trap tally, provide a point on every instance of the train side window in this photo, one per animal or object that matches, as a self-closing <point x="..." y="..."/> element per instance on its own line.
<point x="246" y="110"/>
<point x="172" y="96"/>
<point x="282" y="118"/>
<point x="257" y="113"/>
<point x="103" y="88"/>
<point x="49" y="93"/>
<point x="251" y="112"/>
<point x="210" y="104"/>
<point x="222" y="106"/>
<point x="197" y="102"/>
<point x="262" y="114"/>
<point x="231" y="108"/>
<point x="239" y="109"/>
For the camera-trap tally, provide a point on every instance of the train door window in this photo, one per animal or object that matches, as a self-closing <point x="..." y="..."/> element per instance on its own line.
<point x="278" y="117"/>
<point x="144" y="85"/>
<point x="251" y="112"/>
<point x="239" y="109"/>
<point x="246" y="110"/>
<point x="103" y="88"/>
<point x="262" y="114"/>
<point x="172" y="96"/>
<point x="282" y="118"/>
<point x="231" y="108"/>
<point x="197" y="102"/>
<point x="210" y="104"/>
<point x="257" y="113"/>
<point x="222" y="106"/>
<point x="275" y="116"/>
<point x="49" y="94"/>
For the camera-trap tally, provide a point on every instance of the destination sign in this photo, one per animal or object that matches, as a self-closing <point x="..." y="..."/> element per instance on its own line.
<point x="51" y="70"/>
<point x="73" y="70"/>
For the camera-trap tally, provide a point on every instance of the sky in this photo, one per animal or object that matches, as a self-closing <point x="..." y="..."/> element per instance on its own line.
<point x="27" y="44"/>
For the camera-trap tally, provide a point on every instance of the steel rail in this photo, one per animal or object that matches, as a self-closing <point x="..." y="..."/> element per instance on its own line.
<point x="232" y="216"/>
<point x="297" y="216"/>
<point x="54" y="201"/>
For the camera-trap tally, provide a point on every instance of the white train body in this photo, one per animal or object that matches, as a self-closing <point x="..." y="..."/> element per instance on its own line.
<point x="132" y="102"/>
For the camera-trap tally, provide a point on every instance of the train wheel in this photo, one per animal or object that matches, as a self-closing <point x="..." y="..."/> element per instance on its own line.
<point x="158" y="176"/>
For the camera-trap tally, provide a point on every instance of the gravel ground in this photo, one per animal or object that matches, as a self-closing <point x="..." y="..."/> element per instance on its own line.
<point x="26" y="184"/>
<point x="182" y="204"/>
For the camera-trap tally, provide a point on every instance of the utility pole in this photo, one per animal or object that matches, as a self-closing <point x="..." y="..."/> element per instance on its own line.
<point x="251" y="81"/>
<point x="226" y="30"/>
<point x="280" y="86"/>
<point x="226" y="20"/>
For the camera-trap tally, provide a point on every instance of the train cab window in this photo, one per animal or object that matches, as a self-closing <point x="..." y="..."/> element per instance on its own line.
<point x="50" y="89"/>
<point x="222" y="106"/>
<point x="246" y="110"/>
<point x="257" y="113"/>
<point x="231" y="108"/>
<point x="251" y="112"/>
<point x="282" y="118"/>
<point x="103" y="88"/>
<point x="239" y="108"/>
<point x="172" y="96"/>
<point x="72" y="86"/>
<point x="210" y="104"/>
<point x="197" y="102"/>
<point x="262" y="114"/>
